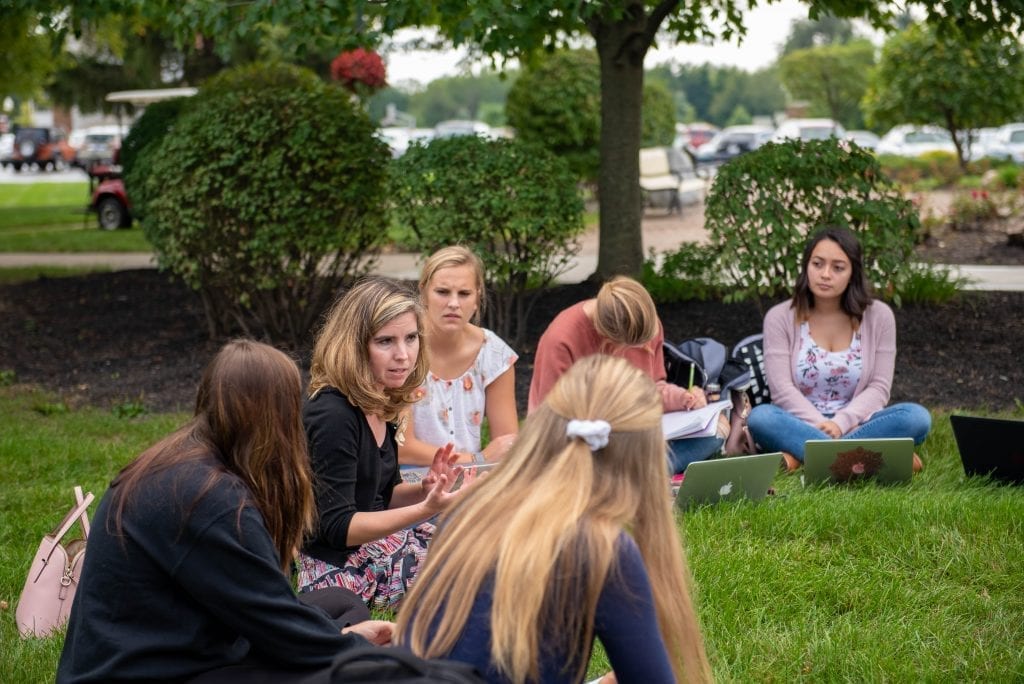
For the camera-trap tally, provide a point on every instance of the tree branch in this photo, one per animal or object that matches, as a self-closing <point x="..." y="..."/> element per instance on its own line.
<point x="654" y="19"/>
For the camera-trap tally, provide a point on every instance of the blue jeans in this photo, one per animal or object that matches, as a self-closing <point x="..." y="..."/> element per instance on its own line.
<point x="775" y="429"/>
<point x="683" y="452"/>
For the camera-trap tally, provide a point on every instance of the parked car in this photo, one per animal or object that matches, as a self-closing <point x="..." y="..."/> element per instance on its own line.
<point x="808" y="129"/>
<point x="1009" y="143"/>
<point x="76" y="138"/>
<point x="730" y="142"/>
<point x="100" y="145"/>
<point x="6" y="148"/>
<point x="865" y="139"/>
<point x="691" y="136"/>
<point x="906" y="140"/>
<point x="46" y="148"/>
<point x="454" y="127"/>
<point x="397" y="138"/>
<point x="979" y="143"/>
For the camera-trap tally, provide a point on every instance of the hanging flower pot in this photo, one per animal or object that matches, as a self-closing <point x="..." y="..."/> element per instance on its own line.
<point x="360" y="71"/>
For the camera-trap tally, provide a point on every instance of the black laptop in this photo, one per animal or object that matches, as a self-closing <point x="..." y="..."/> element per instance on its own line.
<point x="991" y="446"/>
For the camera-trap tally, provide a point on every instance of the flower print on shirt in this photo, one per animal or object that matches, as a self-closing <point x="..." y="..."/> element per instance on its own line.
<point x="827" y="379"/>
<point x="455" y="408"/>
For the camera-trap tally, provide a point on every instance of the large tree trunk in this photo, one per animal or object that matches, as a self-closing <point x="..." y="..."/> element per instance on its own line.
<point x="621" y="49"/>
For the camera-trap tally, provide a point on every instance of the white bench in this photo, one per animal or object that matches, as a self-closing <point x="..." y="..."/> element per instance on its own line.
<point x="660" y="178"/>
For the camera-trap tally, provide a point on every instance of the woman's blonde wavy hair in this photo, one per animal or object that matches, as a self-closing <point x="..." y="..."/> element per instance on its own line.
<point x="624" y="312"/>
<point x="341" y="357"/>
<point x="554" y="509"/>
<point x="450" y="257"/>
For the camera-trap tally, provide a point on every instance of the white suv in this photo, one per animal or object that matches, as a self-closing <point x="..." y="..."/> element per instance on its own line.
<point x="1009" y="143"/>
<point x="808" y="129"/>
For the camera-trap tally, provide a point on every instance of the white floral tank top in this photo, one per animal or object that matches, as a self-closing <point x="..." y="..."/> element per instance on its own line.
<point x="828" y="379"/>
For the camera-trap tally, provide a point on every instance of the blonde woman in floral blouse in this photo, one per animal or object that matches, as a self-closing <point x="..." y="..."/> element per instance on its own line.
<point x="472" y="371"/>
<point x="829" y="357"/>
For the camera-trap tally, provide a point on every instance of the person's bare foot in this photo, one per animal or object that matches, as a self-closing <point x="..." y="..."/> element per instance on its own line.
<point x="918" y="464"/>
<point x="790" y="462"/>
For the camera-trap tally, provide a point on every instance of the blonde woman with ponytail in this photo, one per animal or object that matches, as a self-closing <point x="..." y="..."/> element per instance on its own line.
<point x="567" y="540"/>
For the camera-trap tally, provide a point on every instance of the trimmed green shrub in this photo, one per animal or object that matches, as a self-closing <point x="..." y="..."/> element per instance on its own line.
<point x="557" y="104"/>
<point x="659" y="116"/>
<point x="150" y="128"/>
<point x="763" y="205"/>
<point x="688" y="273"/>
<point x="267" y="198"/>
<point x="514" y="204"/>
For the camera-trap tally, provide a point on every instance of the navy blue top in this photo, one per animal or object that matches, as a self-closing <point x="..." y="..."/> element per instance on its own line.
<point x="351" y="473"/>
<point x="193" y="585"/>
<point x="625" y="622"/>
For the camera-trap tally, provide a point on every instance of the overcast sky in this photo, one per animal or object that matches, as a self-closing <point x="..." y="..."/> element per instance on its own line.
<point x="767" y="28"/>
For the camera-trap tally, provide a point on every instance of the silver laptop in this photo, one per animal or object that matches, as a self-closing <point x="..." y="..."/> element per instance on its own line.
<point x="848" y="460"/>
<point x="736" y="477"/>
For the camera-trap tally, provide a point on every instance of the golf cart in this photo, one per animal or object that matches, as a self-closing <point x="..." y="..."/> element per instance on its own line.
<point x="106" y="187"/>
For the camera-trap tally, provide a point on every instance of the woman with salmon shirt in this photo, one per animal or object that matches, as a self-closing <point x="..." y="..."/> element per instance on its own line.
<point x="621" y="321"/>
<point x="472" y="371"/>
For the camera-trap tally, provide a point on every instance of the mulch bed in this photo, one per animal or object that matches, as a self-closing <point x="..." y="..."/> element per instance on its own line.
<point x="138" y="336"/>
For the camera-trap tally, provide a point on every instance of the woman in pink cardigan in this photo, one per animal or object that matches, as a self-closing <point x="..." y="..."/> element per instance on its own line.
<point x="829" y="355"/>
<point x="621" y="321"/>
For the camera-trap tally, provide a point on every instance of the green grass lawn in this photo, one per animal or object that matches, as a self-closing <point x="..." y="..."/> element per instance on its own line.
<point x="923" y="582"/>
<point x="52" y="217"/>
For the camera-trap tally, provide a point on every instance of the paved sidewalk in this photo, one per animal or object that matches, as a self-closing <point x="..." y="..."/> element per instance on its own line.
<point x="661" y="232"/>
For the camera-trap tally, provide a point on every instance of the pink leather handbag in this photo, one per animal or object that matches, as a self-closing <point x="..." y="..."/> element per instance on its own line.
<point x="45" y="601"/>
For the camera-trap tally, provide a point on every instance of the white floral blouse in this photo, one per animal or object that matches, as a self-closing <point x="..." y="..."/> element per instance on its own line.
<point x="828" y="379"/>
<point x="452" y="410"/>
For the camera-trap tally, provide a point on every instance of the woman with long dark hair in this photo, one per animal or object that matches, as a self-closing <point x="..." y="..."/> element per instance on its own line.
<point x="829" y="355"/>
<point x="187" y="574"/>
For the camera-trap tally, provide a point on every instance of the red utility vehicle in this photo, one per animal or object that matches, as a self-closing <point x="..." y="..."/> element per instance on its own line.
<point x="107" y="196"/>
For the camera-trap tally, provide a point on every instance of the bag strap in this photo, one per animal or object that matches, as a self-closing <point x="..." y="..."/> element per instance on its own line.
<point x="79" y="511"/>
<point x="84" y="518"/>
<point x="401" y="656"/>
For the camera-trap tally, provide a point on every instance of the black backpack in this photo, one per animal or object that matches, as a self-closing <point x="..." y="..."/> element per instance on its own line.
<point x="708" y="361"/>
<point x="395" y="664"/>
<point x="750" y="350"/>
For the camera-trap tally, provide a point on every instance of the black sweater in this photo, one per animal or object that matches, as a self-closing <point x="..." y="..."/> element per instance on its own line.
<point x="352" y="474"/>
<point x="192" y="586"/>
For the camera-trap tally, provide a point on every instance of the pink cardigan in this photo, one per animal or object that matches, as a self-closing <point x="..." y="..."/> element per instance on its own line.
<point x="572" y="335"/>
<point x="878" y="349"/>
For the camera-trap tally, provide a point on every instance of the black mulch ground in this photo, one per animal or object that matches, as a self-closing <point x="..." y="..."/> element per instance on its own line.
<point x="106" y="339"/>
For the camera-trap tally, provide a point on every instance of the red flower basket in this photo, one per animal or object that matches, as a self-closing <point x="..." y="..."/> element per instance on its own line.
<point x="359" y="70"/>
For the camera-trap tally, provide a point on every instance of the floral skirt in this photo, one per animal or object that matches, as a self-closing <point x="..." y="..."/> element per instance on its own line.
<point x="380" y="572"/>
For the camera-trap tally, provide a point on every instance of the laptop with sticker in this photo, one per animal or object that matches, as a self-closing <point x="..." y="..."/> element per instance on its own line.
<point x="990" y="446"/>
<point x="849" y="460"/>
<point x="736" y="477"/>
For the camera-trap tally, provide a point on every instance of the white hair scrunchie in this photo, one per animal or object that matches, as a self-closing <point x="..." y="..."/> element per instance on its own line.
<point x="593" y="432"/>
